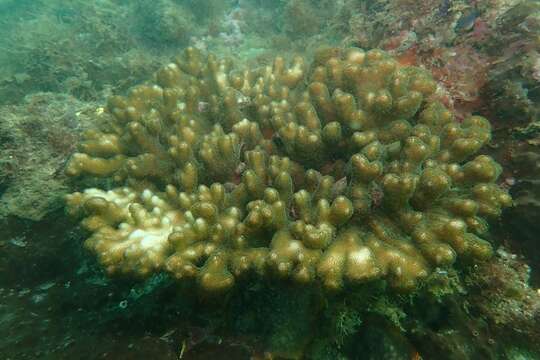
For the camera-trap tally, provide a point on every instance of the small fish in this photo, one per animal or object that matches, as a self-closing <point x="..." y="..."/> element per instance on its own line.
<point x="18" y="241"/>
<point x="339" y="186"/>
<point x="203" y="106"/>
<point x="444" y="9"/>
<point x="467" y="20"/>
<point x="241" y="99"/>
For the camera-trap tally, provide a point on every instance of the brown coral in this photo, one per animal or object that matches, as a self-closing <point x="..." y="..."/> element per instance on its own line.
<point x="339" y="175"/>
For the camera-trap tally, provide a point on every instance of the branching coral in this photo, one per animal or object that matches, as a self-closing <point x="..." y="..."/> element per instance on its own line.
<point x="338" y="174"/>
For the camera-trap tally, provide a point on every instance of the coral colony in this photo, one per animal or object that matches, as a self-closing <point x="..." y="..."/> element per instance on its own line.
<point x="335" y="174"/>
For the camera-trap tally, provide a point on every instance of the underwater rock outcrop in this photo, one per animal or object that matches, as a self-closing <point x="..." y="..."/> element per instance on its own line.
<point x="341" y="173"/>
<point x="36" y="139"/>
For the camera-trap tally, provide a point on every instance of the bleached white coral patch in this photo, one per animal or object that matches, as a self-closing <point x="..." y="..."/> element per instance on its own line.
<point x="139" y="244"/>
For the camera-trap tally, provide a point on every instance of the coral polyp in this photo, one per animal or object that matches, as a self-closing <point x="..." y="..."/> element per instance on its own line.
<point x="336" y="174"/>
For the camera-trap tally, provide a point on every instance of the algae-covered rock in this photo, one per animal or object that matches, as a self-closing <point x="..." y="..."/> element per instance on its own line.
<point x="37" y="137"/>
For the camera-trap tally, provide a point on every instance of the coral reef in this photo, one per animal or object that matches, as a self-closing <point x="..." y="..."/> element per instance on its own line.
<point x="483" y="56"/>
<point x="498" y="39"/>
<point x="341" y="174"/>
